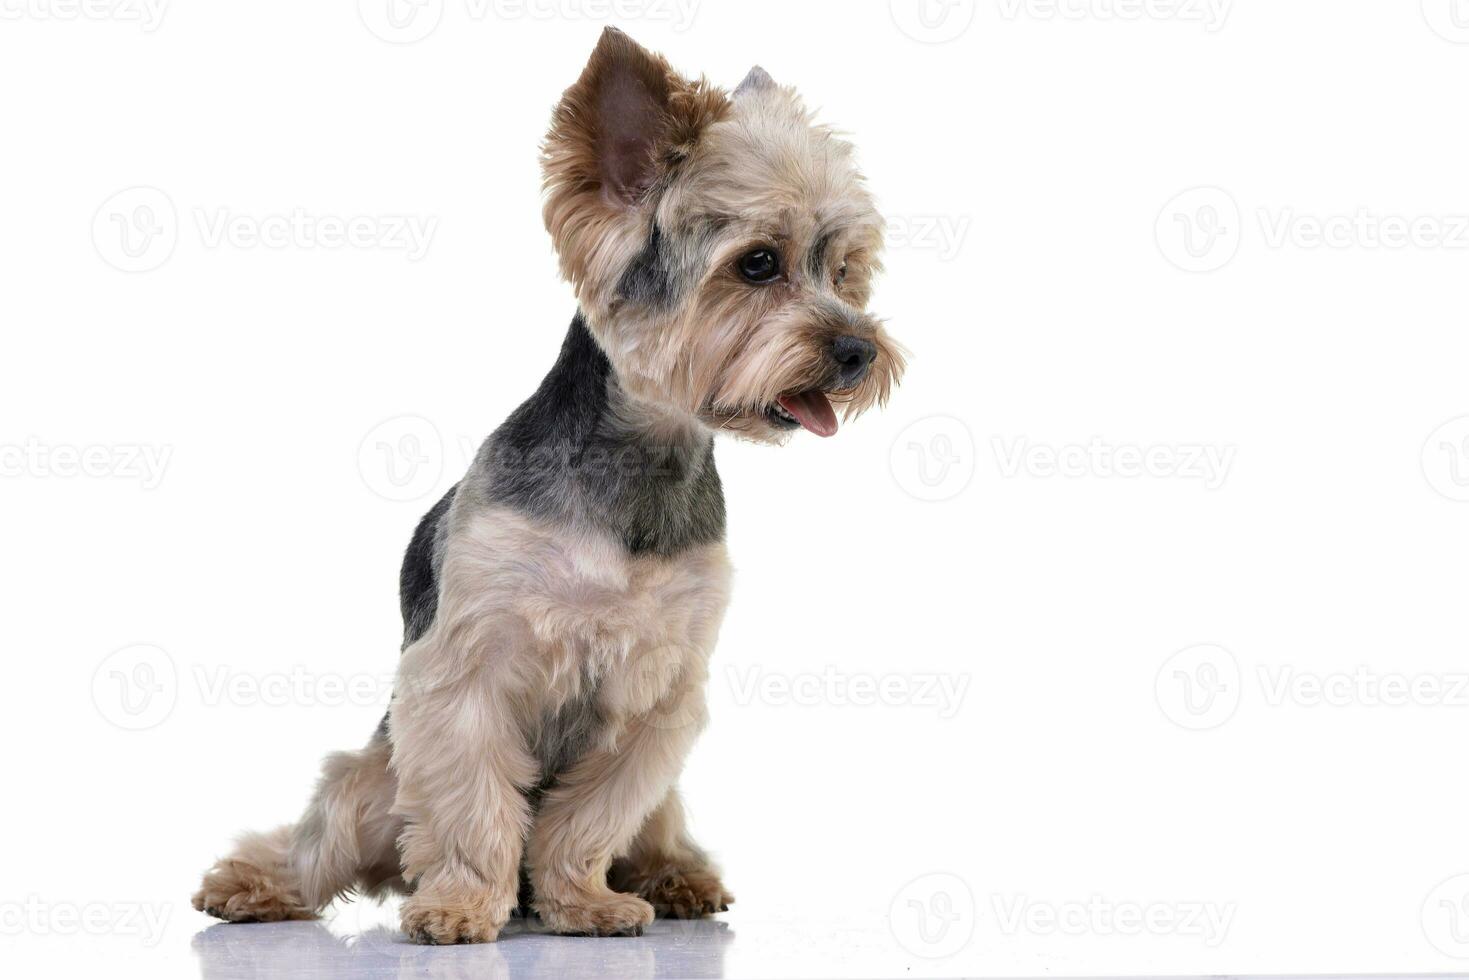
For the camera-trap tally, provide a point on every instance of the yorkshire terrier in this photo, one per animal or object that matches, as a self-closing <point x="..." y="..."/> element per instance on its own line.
<point x="561" y="602"/>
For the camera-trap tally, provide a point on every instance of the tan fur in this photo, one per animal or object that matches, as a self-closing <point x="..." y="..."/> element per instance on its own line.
<point x="528" y="615"/>
<point x="668" y="869"/>
<point x="348" y="840"/>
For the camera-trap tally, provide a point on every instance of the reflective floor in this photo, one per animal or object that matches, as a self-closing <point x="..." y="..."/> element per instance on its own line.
<point x="684" y="950"/>
<point x="361" y="940"/>
<point x="312" y="949"/>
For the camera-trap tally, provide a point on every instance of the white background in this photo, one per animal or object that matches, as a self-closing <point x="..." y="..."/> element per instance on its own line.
<point x="310" y="402"/>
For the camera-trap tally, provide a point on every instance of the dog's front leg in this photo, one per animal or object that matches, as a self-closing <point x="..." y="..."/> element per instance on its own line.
<point x="462" y="766"/>
<point x="595" y="811"/>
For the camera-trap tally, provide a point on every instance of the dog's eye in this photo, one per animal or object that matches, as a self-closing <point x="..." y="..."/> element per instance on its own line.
<point x="761" y="265"/>
<point x="841" y="275"/>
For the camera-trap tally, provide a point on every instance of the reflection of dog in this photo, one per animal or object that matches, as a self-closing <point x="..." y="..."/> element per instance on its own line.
<point x="561" y="602"/>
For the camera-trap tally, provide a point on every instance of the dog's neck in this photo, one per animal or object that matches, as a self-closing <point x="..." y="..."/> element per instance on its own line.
<point x="582" y="450"/>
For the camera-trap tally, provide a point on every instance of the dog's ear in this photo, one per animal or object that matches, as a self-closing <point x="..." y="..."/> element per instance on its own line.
<point x="757" y="80"/>
<point x="626" y="121"/>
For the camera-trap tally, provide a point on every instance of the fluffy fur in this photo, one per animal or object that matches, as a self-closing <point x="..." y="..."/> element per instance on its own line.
<point x="561" y="602"/>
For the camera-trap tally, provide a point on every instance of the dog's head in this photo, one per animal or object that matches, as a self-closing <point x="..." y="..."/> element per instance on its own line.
<point x="722" y="245"/>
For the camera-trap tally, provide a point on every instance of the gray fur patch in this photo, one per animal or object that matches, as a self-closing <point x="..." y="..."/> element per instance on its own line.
<point x="816" y="259"/>
<point x="418" y="579"/>
<point x="575" y="453"/>
<point x="566" y="735"/>
<point x="648" y="280"/>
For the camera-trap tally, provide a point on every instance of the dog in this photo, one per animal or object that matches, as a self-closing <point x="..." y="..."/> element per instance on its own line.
<point x="561" y="602"/>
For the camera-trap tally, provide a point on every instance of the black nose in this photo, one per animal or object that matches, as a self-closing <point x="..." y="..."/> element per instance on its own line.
<point x="853" y="356"/>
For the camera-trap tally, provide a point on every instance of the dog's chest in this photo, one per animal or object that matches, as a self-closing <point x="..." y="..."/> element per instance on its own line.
<point x="588" y="613"/>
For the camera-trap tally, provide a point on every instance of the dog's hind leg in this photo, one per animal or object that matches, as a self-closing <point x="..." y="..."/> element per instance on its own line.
<point x="348" y="839"/>
<point x="669" y="870"/>
<point x="345" y="842"/>
<point x="255" y="882"/>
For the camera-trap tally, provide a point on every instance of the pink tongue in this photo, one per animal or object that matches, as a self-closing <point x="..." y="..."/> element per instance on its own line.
<point x="812" y="410"/>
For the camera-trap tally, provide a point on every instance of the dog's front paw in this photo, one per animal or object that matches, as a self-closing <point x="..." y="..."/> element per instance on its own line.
<point x="439" y="919"/>
<point x="606" y="913"/>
